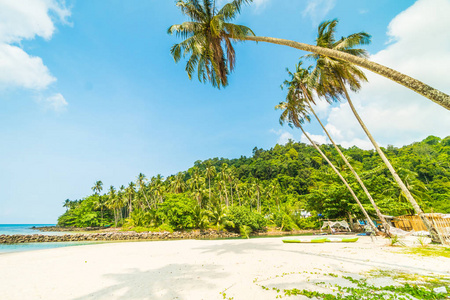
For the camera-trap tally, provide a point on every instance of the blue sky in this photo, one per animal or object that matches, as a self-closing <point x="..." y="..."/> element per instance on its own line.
<point x="89" y="91"/>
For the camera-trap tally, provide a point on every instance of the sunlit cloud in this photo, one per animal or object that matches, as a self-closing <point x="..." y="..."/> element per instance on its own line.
<point x="25" y="20"/>
<point x="56" y="103"/>
<point x="283" y="136"/>
<point x="394" y="114"/>
<point x="317" y="10"/>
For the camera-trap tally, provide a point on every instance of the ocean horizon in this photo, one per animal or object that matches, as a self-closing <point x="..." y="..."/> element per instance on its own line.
<point x="11" y="229"/>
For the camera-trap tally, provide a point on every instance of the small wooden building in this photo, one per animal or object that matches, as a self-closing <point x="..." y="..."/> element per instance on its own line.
<point x="440" y="221"/>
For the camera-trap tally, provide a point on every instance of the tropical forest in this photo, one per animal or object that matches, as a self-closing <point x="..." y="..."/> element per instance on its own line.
<point x="271" y="188"/>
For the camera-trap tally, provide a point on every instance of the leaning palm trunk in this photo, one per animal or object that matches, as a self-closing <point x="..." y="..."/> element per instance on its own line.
<point x="369" y="220"/>
<point x="419" y="87"/>
<point x="403" y="188"/>
<point x="361" y="183"/>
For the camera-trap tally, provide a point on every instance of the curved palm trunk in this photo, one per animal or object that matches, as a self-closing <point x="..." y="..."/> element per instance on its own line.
<point x="404" y="189"/>
<point x="369" y="220"/>
<point x="361" y="183"/>
<point x="419" y="87"/>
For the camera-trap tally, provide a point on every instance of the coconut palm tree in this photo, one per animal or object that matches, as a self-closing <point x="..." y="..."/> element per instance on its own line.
<point x="209" y="35"/>
<point x="177" y="184"/>
<point x="67" y="204"/>
<point x="111" y="203"/>
<point x="331" y="76"/>
<point x="236" y="188"/>
<point x="295" y="114"/>
<point x="257" y="190"/>
<point x="196" y="184"/>
<point x="300" y="83"/>
<point x="97" y="188"/>
<point x="140" y="182"/>
<point x="130" y="191"/>
<point x="210" y="171"/>
<point x="224" y="179"/>
<point x="158" y="188"/>
<point x="208" y="39"/>
<point x="231" y="178"/>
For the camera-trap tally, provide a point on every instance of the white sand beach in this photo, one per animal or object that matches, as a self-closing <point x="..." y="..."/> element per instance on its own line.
<point x="193" y="269"/>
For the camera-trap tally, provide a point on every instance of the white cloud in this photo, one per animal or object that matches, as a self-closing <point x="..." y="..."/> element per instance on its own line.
<point x="322" y="108"/>
<point x="318" y="139"/>
<point x="18" y="69"/>
<point x="258" y="4"/>
<point x="318" y="9"/>
<point x="26" y="19"/>
<point x="56" y="103"/>
<point x="394" y="114"/>
<point x="284" y="136"/>
<point x="22" y="20"/>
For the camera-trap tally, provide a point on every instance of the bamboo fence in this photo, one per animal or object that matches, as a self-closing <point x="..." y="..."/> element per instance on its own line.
<point x="441" y="224"/>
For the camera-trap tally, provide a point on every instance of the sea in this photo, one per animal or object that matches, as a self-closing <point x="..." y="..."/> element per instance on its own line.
<point x="10" y="229"/>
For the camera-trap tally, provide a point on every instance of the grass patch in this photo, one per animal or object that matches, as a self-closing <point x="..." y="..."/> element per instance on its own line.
<point x="139" y="229"/>
<point x="428" y="251"/>
<point x="402" y="286"/>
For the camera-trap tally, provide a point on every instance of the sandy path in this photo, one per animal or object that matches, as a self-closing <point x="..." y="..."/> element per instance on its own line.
<point x="191" y="269"/>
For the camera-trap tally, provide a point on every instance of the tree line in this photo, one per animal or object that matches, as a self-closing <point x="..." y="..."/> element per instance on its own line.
<point x="272" y="187"/>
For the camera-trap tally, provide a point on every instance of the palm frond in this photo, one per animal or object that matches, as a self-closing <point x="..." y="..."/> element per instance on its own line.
<point x="230" y="10"/>
<point x="350" y="42"/>
<point x="192" y="9"/>
<point x="237" y="31"/>
<point x="217" y="25"/>
<point x="185" y="29"/>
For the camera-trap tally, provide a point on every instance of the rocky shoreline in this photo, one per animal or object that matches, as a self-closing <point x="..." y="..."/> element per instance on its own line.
<point x="64" y="229"/>
<point x="114" y="236"/>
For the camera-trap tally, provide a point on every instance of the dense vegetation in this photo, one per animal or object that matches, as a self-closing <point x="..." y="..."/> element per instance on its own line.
<point x="271" y="187"/>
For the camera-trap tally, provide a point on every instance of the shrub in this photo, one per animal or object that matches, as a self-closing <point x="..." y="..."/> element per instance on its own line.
<point x="307" y="223"/>
<point x="242" y="216"/>
<point x="177" y="211"/>
<point x="140" y="218"/>
<point x="284" y="221"/>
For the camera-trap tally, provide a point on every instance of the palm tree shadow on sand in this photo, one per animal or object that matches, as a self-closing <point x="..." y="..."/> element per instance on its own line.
<point x="238" y="248"/>
<point x="175" y="281"/>
<point x="308" y="252"/>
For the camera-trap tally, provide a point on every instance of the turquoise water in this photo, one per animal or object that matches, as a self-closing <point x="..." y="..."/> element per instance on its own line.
<point x="37" y="246"/>
<point x="10" y="229"/>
